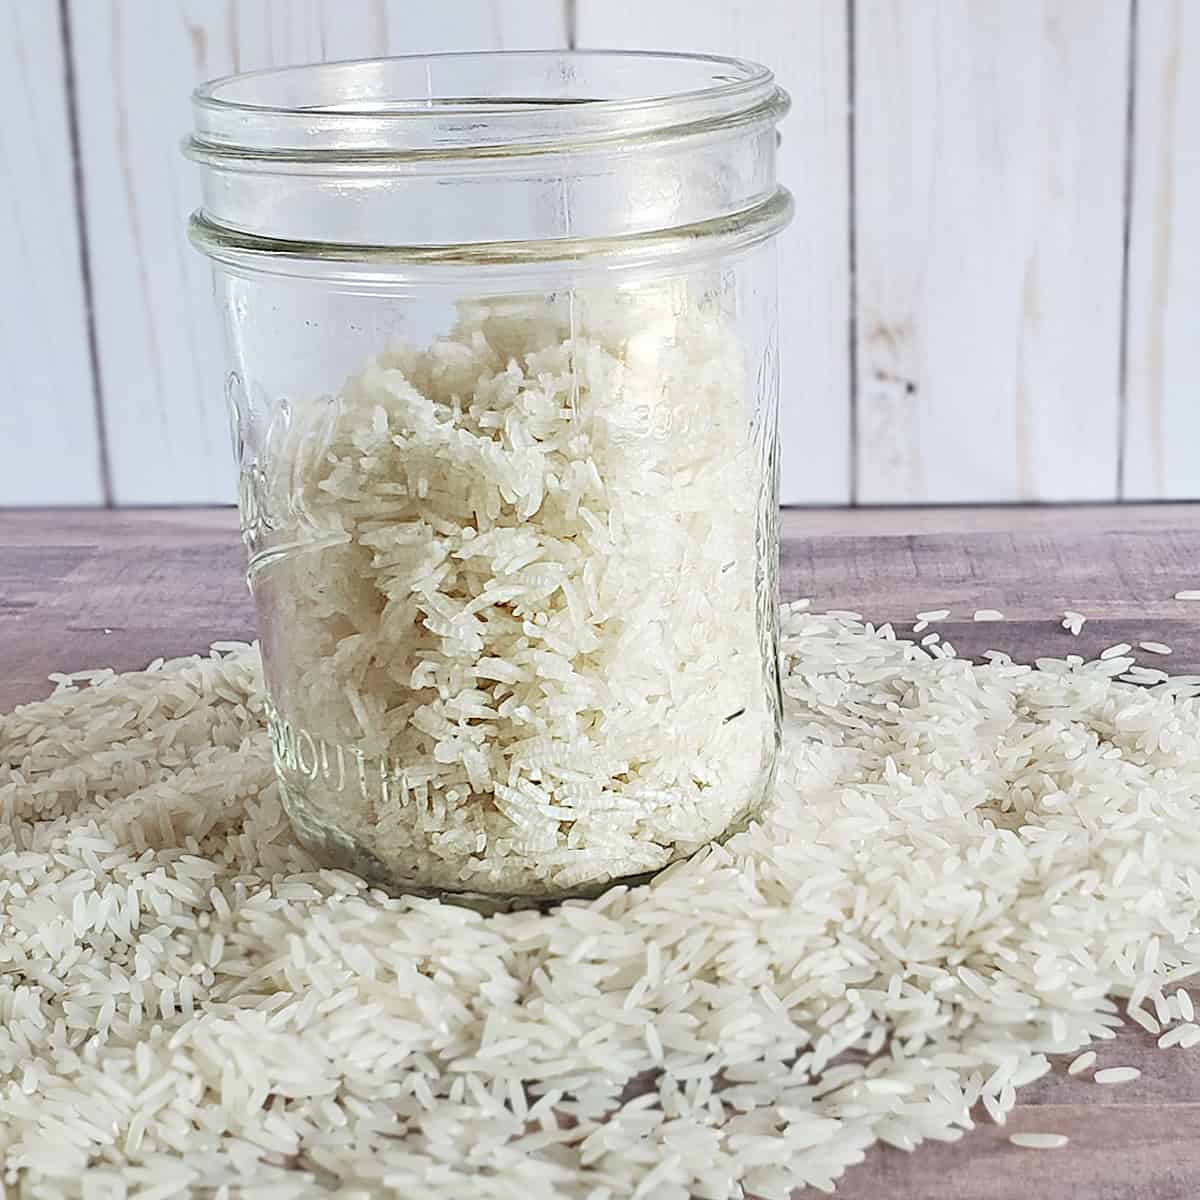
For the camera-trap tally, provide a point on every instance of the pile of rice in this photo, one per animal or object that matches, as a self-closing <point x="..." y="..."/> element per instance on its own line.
<point x="963" y="869"/>
<point x="508" y="587"/>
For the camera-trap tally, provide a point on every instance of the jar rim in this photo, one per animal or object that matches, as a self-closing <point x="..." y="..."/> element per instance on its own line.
<point x="519" y="101"/>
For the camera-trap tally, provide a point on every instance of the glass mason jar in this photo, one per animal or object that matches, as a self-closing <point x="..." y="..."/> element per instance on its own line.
<point x="501" y="335"/>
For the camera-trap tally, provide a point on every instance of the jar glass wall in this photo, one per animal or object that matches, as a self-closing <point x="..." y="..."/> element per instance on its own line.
<point x="510" y="501"/>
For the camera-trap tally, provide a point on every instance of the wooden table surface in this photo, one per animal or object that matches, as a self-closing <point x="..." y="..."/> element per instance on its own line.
<point x="82" y="589"/>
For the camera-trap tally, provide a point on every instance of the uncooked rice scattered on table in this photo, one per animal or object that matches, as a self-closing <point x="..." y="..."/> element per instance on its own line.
<point x="964" y="869"/>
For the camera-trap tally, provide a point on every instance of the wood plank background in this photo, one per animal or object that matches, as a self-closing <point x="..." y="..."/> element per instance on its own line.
<point x="49" y="441"/>
<point x="1164" y="263"/>
<point x="80" y="589"/>
<point x="990" y="156"/>
<point x="990" y="293"/>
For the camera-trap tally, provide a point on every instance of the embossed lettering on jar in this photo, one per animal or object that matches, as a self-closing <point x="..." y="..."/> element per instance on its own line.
<point x="501" y="332"/>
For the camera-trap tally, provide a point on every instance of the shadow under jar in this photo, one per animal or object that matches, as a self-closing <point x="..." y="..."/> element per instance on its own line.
<point x="501" y="335"/>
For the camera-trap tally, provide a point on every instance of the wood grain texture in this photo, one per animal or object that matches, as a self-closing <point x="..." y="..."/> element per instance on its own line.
<point x="992" y="518"/>
<point x="49" y="448"/>
<point x="171" y="580"/>
<point x="136" y="62"/>
<point x="82" y="589"/>
<point x="1162" y="348"/>
<point x="990" y="149"/>
<point x="114" y="589"/>
<point x="805" y="45"/>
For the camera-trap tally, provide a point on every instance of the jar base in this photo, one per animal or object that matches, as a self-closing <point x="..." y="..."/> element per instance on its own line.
<point x="334" y="849"/>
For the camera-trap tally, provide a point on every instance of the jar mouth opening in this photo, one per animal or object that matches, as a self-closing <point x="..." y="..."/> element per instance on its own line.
<point x="521" y="99"/>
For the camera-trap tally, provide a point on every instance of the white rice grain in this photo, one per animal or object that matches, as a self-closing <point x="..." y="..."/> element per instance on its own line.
<point x="1082" y="1062"/>
<point x="1117" y="1075"/>
<point x="1073" y="622"/>
<point x="1155" y="647"/>
<point x="1039" y="1141"/>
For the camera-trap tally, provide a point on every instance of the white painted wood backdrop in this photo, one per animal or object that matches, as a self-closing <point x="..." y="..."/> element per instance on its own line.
<point x="991" y="291"/>
<point x="49" y="444"/>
